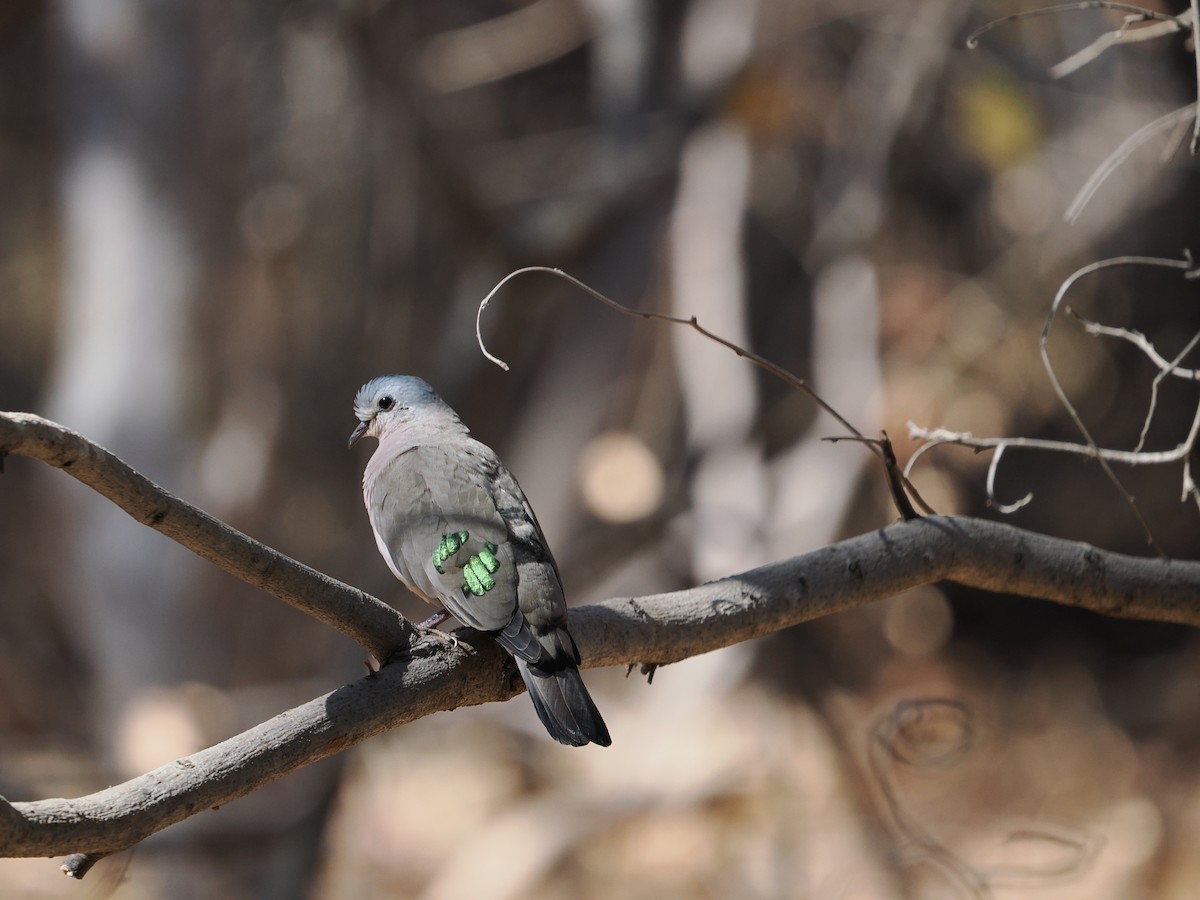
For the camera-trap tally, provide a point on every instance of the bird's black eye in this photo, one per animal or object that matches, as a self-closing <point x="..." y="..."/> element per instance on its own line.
<point x="385" y="402"/>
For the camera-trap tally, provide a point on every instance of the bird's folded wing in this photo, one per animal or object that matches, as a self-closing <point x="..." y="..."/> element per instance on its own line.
<point x="426" y="495"/>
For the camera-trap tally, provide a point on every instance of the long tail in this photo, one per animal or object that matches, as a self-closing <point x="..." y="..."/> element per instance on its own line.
<point x="564" y="705"/>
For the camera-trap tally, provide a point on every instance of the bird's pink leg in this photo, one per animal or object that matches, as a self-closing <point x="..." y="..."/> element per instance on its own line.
<point x="435" y="620"/>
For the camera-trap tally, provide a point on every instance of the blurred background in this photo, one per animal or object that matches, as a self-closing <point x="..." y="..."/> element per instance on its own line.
<point x="220" y="219"/>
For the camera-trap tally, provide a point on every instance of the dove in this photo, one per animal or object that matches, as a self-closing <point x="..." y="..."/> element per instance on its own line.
<point x="455" y="527"/>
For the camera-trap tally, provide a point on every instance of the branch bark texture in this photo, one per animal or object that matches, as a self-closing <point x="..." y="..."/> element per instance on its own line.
<point x="367" y="620"/>
<point x="434" y="674"/>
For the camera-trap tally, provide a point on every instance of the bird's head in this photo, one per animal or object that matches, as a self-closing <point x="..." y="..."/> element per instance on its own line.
<point x="391" y="401"/>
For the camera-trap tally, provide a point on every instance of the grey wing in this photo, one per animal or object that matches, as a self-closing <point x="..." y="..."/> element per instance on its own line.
<point x="426" y="494"/>
<point x="539" y="588"/>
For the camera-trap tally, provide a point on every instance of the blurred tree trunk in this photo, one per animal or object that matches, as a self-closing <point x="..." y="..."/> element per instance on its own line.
<point x="131" y="136"/>
<point x="119" y="370"/>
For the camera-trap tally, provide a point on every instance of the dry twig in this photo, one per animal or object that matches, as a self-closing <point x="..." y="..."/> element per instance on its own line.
<point x="762" y="362"/>
<point x="1136" y="14"/>
<point x="1089" y="448"/>
<point x="1123" y="35"/>
<point x="1164" y="25"/>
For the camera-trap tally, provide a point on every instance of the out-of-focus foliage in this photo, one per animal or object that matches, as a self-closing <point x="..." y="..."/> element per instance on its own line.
<point x="219" y="219"/>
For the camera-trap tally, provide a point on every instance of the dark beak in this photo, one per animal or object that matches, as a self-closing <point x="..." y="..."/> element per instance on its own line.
<point x="359" y="431"/>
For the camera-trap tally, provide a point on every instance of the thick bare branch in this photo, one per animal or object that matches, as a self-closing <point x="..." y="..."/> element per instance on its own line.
<point x="658" y="629"/>
<point x="655" y="630"/>
<point x="370" y="622"/>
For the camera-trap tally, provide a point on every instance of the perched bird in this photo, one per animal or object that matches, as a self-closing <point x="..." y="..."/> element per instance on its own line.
<point x="453" y="525"/>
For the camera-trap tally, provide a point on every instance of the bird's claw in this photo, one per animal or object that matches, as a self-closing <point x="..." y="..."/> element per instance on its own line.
<point x="439" y="637"/>
<point x="647" y="669"/>
<point x="430" y="627"/>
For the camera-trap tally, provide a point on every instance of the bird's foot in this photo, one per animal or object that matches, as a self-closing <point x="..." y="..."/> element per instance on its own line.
<point x="446" y="637"/>
<point x="430" y="627"/>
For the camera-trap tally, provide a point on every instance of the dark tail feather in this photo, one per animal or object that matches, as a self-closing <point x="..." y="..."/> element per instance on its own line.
<point x="564" y="705"/>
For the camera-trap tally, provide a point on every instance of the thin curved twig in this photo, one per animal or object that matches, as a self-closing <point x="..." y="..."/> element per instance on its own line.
<point x="1184" y="265"/>
<point x="1166" y="24"/>
<point x="1123" y="35"/>
<point x="1006" y="508"/>
<point x="1140" y="341"/>
<point x="1154" y="385"/>
<point x="1089" y="449"/>
<point x="934" y="437"/>
<point x="762" y="362"/>
<point x="904" y="493"/>
<point x="1124" y="150"/>
<point x="1137" y="13"/>
<point x="1189" y="485"/>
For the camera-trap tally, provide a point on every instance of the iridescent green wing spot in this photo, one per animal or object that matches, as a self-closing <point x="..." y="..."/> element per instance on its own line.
<point x="447" y="548"/>
<point x="477" y="573"/>
<point x="487" y="556"/>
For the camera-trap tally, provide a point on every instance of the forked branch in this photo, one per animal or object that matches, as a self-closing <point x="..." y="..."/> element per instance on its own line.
<point x="1088" y="448"/>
